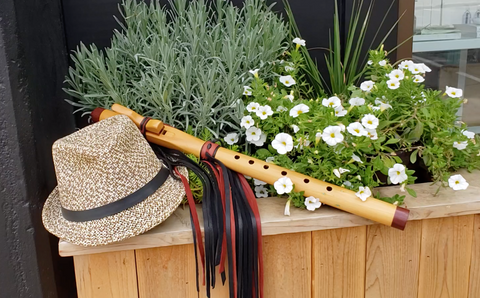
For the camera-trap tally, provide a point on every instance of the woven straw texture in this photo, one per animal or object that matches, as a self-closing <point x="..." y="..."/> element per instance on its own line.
<point x="100" y="164"/>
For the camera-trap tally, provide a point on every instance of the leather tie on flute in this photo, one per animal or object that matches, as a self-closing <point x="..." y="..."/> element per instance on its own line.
<point x="329" y="194"/>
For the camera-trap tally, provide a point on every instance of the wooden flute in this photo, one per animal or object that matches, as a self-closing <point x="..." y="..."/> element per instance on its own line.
<point x="332" y="195"/>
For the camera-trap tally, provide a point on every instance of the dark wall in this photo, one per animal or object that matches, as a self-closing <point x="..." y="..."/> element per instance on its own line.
<point x="33" y="115"/>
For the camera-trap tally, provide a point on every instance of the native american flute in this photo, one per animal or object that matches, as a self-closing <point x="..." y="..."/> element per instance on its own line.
<point x="332" y="195"/>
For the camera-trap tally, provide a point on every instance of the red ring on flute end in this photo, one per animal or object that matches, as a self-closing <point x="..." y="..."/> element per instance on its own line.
<point x="400" y="218"/>
<point x="96" y="114"/>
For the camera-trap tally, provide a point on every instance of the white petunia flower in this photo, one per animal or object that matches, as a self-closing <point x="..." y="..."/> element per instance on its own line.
<point x="253" y="107"/>
<point x="460" y="145"/>
<point x="332" y="135"/>
<point x="393" y="84"/>
<point x="383" y="105"/>
<point x="372" y="134"/>
<point x="370" y="121"/>
<point x="299" y="109"/>
<point x="290" y="97"/>
<point x="287" y="208"/>
<point x="283" y="185"/>
<point x="357" y="129"/>
<point x="295" y="128"/>
<point x="270" y="159"/>
<point x="247" y="90"/>
<point x="363" y="193"/>
<point x="454" y="92"/>
<point x="231" y="138"/>
<point x="356" y="158"/>
<point x="264" y="111"/>
<point x="312" y="203"/>
<point x="382" y="63"/>
<point x="282" y="109"/>
<point x="397" y="174"/>
<point x="283" y="143"/>
<point x="424" y="67"/>
<point x="289" y="68"/>
<point x="469" y="134"/>
<point x="261" y="191"/>
<point x="357" y="101"/>
<point x="418" y="79"/>
<point x="342" y="170"/>
<point x="258" y="182"/>
<point x="287" y="80"/>
<point x="342" y="127"/>
<point x="260" y="141"/>
<point x="253" y="134"/>
<point x="247" y="177"/>
<point x="331" y="102"/>
<point x="396" y="74"/>
<point x="299" y="41"/>
<point x="336" y="172"/>
<point x="415" y="68"/>
<point x="457" y="182"/>
<point x="254" y="72"/>
<point x="367" y="86"/>
<point x="348" y="184"/>
<point x="340" y="111"/>
<point x="247" y="122"/>
<point x="369" y="62"/>
<point x="406" y="64"/>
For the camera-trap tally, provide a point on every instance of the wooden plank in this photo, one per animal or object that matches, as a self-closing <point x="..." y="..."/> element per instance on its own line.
<point x="176" y="230"/>
<point x="393" y="258"/>
<point x="338" y="263"/>
<point x="474" y="290"/>
<point x="287" y="263"/>
<point x="109" y="275"/>
<point x="445" y="257"/>
<point x="170" y="272"/>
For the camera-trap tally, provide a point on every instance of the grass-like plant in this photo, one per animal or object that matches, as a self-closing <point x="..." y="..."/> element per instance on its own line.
<point x="185" y="64"/>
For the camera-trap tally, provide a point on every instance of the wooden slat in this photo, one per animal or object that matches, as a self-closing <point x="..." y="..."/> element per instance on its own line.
<point x="474" y="290"/>
<point x="445" y="257"/>
<point x="338" y="263"/>
<point x="170" y="272"/>
<point x="287" y="263"/>
<point x="392" y="263"/>
<point x="109" y="275"/>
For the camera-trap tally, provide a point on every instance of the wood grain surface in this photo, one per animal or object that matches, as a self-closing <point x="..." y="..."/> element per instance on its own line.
<point x="338" y="261"/>
<point x="474" y="288"/>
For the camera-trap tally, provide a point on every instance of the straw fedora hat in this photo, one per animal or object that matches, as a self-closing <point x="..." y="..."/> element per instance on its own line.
<point x="111" y="185"/>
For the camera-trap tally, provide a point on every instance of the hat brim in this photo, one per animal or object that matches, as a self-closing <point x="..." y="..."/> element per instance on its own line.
<point x="128" y="223"/>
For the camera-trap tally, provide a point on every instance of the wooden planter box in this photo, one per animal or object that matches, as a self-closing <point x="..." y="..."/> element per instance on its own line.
<point x="327" y="253"/>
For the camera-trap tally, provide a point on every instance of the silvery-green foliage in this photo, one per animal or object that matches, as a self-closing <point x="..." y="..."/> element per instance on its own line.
<point x="185" y="65"/>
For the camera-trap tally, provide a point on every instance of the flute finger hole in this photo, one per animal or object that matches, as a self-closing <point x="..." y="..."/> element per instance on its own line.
<point x="284" y="173"/>
<point x="306" y="180"/>
<point x="265" y="167"/>
<point x="329" y="188"/>
<point x="237" y="157"/>
<point x="251" y="162"/>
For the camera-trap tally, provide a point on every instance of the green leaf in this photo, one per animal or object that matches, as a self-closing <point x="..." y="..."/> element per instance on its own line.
<point x="411" y="192"/>
<point x="392" y="141"/>
<point x="416" y="133"/>
<point x="413" y="156"/>
<point x="377" y="162"/>
<point x="263" y="153"/>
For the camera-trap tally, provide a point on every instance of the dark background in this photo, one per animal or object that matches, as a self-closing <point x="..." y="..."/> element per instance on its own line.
<point x="35" y="39"/>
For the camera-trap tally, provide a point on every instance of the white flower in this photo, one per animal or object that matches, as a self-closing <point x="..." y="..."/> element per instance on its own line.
<point x="342" y="170"/>
<point x="260" y="141"/>
<point x="247" y="177"/>
<point x="342" y="127"/>
<point x="283" y="185"/>
<point x="299" y="109"/>
<point x="264" y="111"/>
<point x="258" y="182"/>
<point x="469" y="134"/>
<point x="247" y="122"/>
<point x="270" y="159"/>
<point x="372" y="134"/>
<point x="290" y="97"/>
<point x="287" y="80"/>
<point x="382" y="63"/>
<point x="254" y="72"/>
<point x="406" y="64"/>
<point x="331" y="102"/>
<point x="332" y="135"/>
<point x="457" y="182"/>
<point x="289" y="68"/>
<point x="424" y="67"/>
<point x="261" y="191"/>
<point x="396" y="74"/>
<point x="312" y="203"/>
<point x="336" y="172"/>
<point x="287" y="208"/>
<point x="363" y="193"/>
<point x="283" y="143"/>
<point x="370" y="121"/>
<point x="369" y="62"/>
<point x="397" y="173"/>
<point x="415" y="68"/>
<point x="418" y="79"/>
<point x="340" y="111"/>
<point x="253" y="107"/>
<point x="356" y="129"/>
<point x="247" y="90"/>
<point x="299" y="41"/>
<point x="454" y="92"/>
<point x="295" y="128"/>
<point x="460" y="145"/>
<point x="282" y="109"/>
<point x="393" y="84"/>
<point x="348" y="184"/>
<point x="231" y="138"/>
<point x="253" y="134"/>
<point x="367" y="86"/>
<point x="356" y="158"/>
<point x="383" y="105"/>
<point x="357" y="101"/>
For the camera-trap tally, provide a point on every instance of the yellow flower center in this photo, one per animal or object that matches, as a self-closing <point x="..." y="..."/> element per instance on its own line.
<point x="284" y="143"/>
<point x="254" y="108"/>
<point x="253" y="133"/>
<point x="369" y="122"/>
<point x="248" y="122"/>
<point x="299" y="112"/>
<point x="287" y="82"/>
<point x="332" y="135"/>
<point x="397" y="76"/>
<point x="454" y="93"/>
<point x="457" y="182"/>
<point x="264" y="113"/>
<point x="331" y="103"/>
<point x="398" y="172"/>
<point x="357" y="130"/>
<point x="392" y="84"/>
<point x="284" y="185"/>
<point x="361" y="192"/>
